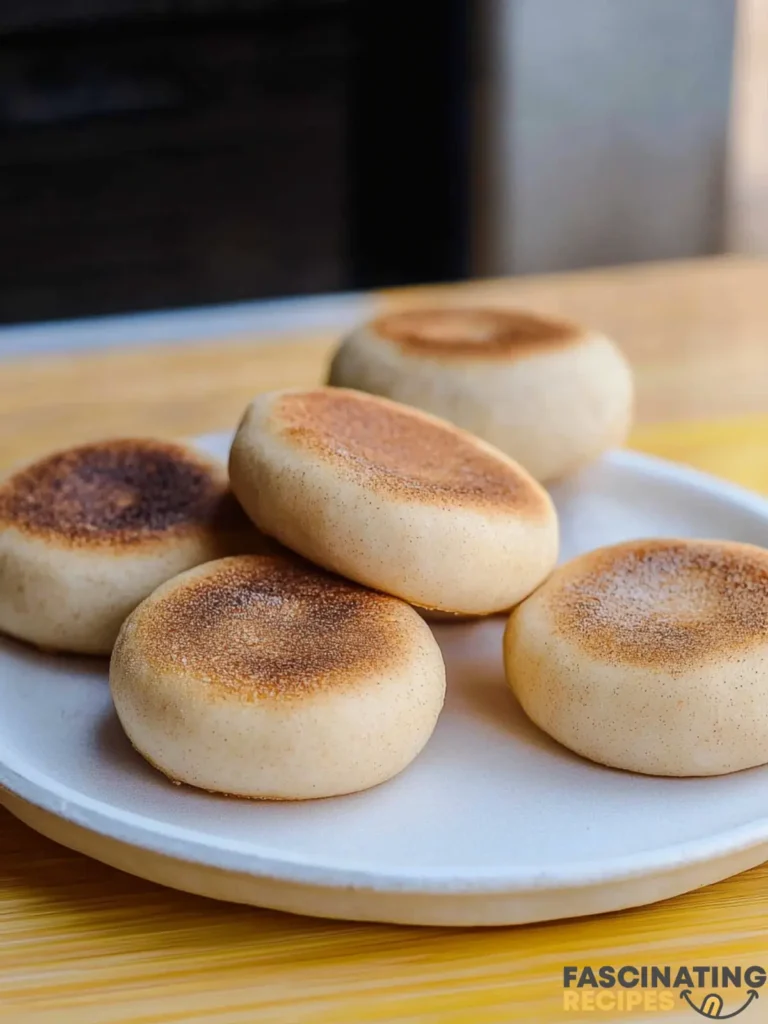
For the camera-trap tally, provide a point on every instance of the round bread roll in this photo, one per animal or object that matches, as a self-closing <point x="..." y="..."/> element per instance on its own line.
<point x="87" y="533"/>
<point x="393" y="498"/>
<point x="550" y="394"/>
<point x="266" y="677"/>
<point x="650" y="656"/>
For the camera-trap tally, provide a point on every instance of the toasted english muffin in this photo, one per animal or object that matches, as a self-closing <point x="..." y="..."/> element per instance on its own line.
<point x="87" y="533"/>
<point x="393" y="498"/>
<point x="266" y="677"/>
<point x="650" y="656"/>
<point x="551" y="394"/>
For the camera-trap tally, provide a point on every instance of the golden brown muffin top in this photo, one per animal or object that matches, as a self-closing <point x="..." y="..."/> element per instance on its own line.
<point x="476" y="333"/>
<point x="118" y="493"/>
<point x="665" y="604"/>
<point x="405" y="453"/>
<point x="259" y="626"/>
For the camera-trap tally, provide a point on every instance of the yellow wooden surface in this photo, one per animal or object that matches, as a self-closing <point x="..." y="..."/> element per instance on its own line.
<point x="83" y="943"/>
<point x="697" y="333"/>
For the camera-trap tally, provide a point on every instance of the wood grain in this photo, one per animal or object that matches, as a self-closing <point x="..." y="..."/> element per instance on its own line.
<point x="697" y="333"/>
<point x="83" y="943"/>
<point x="87" y="944"/>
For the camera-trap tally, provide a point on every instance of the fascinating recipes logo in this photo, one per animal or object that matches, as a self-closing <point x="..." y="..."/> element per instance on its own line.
<point x="715" y="992"/>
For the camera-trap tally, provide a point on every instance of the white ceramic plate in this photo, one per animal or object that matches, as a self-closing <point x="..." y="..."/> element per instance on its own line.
<point x="493" y="824"/>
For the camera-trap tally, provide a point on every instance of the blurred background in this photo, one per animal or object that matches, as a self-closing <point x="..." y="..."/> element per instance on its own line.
<point x="157" y="154"/>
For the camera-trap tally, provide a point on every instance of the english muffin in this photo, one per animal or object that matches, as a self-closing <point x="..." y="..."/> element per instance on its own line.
<point x="394" y="499"/>
<point x="549" y="393"/>
<point x="265" y="677"/>
<point x="650" y="656"/>
<point x="87" y="533"/>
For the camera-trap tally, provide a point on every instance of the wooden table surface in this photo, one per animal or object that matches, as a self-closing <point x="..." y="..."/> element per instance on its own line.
<point x="80" y="942"/>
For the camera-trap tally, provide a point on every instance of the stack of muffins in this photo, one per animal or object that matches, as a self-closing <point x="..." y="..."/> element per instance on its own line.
<point x="269" y="631"/>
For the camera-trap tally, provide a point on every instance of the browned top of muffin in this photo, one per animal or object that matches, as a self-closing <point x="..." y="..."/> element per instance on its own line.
<point x="408" y="454"/>
<point x="476" y="333"/>
<point x="662" y="603"/>
<point x="117" y="493"/>
<point x="267" y="626"/>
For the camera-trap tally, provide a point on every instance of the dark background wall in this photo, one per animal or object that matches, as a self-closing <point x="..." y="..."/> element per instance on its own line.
<point x="165" y="153"/>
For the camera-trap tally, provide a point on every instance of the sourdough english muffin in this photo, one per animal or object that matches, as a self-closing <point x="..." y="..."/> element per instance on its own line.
<point x="265" y="677"/>
<point x="393" y="498"/>
<point x="650" y="656"/>
<point x="549" y="393"/>
<point x="87" y="533"/>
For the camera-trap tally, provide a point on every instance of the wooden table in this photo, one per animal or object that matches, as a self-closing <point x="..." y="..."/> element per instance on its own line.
<point x="83" y="943"/>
